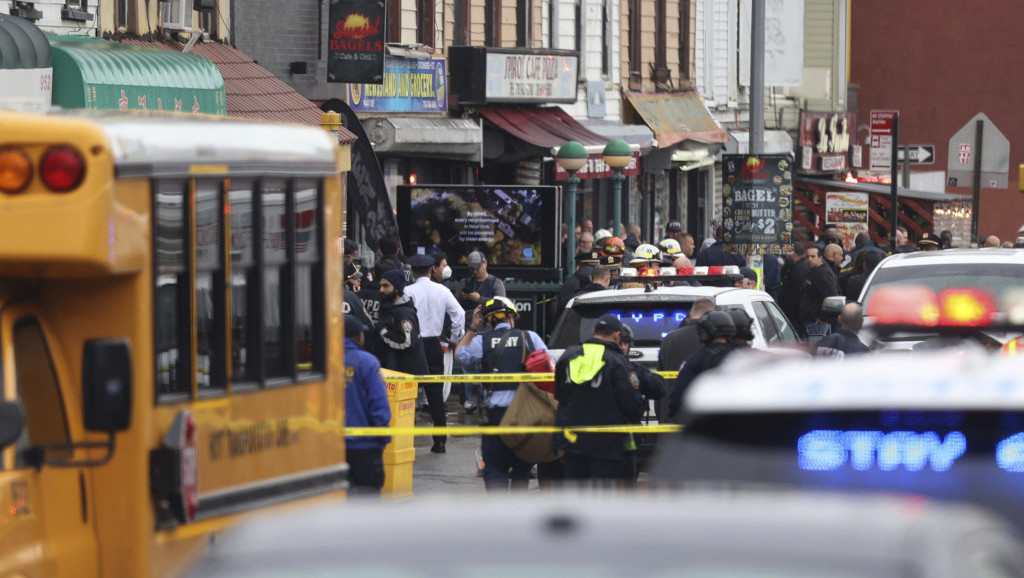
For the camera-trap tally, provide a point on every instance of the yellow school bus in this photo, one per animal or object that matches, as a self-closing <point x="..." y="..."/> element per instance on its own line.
<point x="170" y="334"/>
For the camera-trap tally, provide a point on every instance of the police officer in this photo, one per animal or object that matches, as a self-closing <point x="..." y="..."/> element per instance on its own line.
<point x="716" y="330"/>
<point x="433" y="301"/>
<point x="353" y="305"/>
<point x="366" y="405"/>
<point x="401" y="347"/>
<point x="744" y="329"/>
<point x="500" y="350"/>
<point x="652" y="387"/>
<point x="595" y="385"/>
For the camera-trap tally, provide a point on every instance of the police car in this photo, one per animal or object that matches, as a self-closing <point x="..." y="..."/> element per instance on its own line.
<point x="654" y="310"/>
<point x="997" y="272"/>
<point x="944" y="423"/>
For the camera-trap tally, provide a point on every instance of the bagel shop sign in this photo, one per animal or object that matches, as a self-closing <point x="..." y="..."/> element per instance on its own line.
<point x="355" y="50"/>
<point x="757" y="201"/>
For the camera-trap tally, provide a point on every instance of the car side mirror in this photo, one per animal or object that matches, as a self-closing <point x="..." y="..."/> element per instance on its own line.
<point x="12" y="423"/>
<point x="107" y="384"/>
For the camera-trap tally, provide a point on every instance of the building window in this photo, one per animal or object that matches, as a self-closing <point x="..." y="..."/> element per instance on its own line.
<point x="492" y="22"/>
<point x="425" y="33"/>
<point x="635" y="45"/>
<point x="77" y="10"/>
<point x="394" y="17"/>
<point x="685" y="13"/>
<point x="552" y="24"/>
<point x="461" y="36"/>
<point x="578" y="19"/>
<point x="523" y="22"/>
<point x="606" y="48"/>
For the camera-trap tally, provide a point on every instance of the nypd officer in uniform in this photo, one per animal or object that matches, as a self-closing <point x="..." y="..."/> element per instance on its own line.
<point x="652" y="387"/>
<point x="595" y="385"/>
<point x="433" y="301"/>
<point x="353" y="305"/>
<point x="499" y="350"/>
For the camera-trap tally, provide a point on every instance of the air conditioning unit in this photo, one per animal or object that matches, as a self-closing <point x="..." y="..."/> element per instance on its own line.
<point x="176" y="15"/>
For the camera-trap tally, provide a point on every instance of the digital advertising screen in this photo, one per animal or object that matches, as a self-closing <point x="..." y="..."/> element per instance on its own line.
<point x="514" y="226"/>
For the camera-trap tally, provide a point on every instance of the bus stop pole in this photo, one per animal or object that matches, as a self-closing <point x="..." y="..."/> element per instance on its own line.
<point x="979" y="129"/>
<point x="894" y="184"/>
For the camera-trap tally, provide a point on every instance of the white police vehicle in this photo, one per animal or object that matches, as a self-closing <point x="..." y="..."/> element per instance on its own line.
<point x="999" y="273"/>
<point x="945" y="423"/>
<point x="652" y="312"/>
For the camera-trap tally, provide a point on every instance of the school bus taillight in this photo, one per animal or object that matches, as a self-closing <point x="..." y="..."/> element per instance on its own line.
<point x="15" y="170"/>
<point x="62" y="169"/>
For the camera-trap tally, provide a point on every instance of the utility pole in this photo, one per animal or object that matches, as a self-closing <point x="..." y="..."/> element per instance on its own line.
<point x="757" y="77"/>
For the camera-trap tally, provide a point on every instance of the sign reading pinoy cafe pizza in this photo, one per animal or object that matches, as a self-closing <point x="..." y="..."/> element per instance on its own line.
<point x="355" y="50"/>
<point x="757" y="206"/>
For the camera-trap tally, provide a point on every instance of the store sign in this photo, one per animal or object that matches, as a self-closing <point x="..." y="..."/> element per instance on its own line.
<point x="530" y="77"/>
<point x="849" y="213"/>
<point x="26" y="88"/>
<point x="410" y="85"/>
<point x="825" y="141"/>
<point x="757" y="200"/>
<point x="596" y="168"/>
<point x="356" y="41"/>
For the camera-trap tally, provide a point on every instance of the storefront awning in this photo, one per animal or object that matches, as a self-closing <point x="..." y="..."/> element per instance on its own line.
<point x="95" y="73"/>
<point x="22" y="44"/>
<point x="881" y="189"/>
<point x="434" y="137"/>
<point x="634" y="134"/>
<point x="677" y="116"/>
<point x="544" y="127"/>
<point x="776" y="142"/>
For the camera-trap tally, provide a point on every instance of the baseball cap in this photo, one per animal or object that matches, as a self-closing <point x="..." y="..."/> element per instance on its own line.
<point x="609" y="322"/>
<point x="351" y="247"/>
<point x="929" y="239"/>
<point x="353" y="326"/>
<point x="475" y="259"/>
<point x="674" y="227"/>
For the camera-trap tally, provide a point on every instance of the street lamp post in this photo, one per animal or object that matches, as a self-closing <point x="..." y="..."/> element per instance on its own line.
<point x="617" y="154"/>
<point x="571" y="157"/>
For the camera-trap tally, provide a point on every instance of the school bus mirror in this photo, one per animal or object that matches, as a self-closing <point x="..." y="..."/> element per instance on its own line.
<point x="12" y="423"/>
<point x="107" y="384"/>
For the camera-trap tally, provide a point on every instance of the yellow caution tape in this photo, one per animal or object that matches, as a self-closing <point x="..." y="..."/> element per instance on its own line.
<point x="569" y="432"/>
<point x="492" y="377"/>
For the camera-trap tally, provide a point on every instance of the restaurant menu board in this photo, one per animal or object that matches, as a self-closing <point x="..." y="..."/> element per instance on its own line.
<point x="849" y="213"/>
<point x="757" y="203"/>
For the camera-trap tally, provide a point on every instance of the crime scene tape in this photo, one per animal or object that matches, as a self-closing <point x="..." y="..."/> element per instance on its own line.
<point x="493" y="377"/>
<point x="499" y="430"/>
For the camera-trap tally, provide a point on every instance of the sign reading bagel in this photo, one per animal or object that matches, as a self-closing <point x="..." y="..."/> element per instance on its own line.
<point x="757" y="200"/>
<point x="355" y="50"/>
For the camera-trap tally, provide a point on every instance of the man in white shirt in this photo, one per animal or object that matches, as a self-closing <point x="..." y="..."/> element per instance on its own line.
<point x="433" y="301"/>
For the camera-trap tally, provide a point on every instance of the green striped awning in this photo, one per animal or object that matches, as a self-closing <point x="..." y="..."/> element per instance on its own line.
<point x="94" y="73"/>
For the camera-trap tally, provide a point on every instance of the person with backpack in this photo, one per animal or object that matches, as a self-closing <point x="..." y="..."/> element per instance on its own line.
<point x="504" y="349"/>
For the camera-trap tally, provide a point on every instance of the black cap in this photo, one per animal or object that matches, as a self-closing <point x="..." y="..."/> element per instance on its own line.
<point x="929" y="239"/>
<point x="352" y="271"/>
<point x="674" y="227"/>
<point x="351" y="247"/>
<point x="353" y="326"/>
<point x="748" y="273"/>
<point x="612" y="261"/>
<point x="421" y="261"/>
<point x="589" y="257"/>
<point x="609" y="322"/>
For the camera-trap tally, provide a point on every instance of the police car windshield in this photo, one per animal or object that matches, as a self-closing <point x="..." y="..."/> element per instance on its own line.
<point x="996" y="279"/>
<point x="649" y="322"/>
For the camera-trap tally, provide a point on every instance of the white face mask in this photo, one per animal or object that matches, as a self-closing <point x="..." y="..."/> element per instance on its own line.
<point x="446" y="273"/>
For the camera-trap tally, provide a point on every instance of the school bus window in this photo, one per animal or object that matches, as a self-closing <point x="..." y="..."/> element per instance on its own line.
<point x="309" y="280"/>
<point x="38" y="392"/>
<point x="244" y="285"/>
<point x="275" y="278"/>
<point x="210" y="366"/>
<point x="171" y="299"/>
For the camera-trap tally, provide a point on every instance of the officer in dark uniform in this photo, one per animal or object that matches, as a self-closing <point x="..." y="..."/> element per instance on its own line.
<point x="581" y="278"/>
<point x="401" y="347"/>
<point x="744" y="329"/>
<point x="716" y="330"/>
<point x="353" y="305"/>
<point x="652" y="387"/>
<point x="595" y="385"/>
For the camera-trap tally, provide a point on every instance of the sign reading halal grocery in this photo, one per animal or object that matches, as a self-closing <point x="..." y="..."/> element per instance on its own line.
<point x="757" y="199"/>
<point x="356" y="41"/>
<point x="410" y="85"/>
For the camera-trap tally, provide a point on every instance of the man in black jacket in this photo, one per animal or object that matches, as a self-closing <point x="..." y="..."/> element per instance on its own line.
<point x="845" y="341"/>
<point x="794" y="273"/>
<point x="821" y="283"/>
<point x="595" y="385"/>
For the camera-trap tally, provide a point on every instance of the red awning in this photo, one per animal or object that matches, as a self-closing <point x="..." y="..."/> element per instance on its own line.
<point x="545" y="127"/>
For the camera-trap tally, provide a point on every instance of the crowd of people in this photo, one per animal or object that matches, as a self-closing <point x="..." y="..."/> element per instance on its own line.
<point x="405" y="318"/>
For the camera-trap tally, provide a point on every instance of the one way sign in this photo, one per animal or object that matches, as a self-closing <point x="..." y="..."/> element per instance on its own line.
<point x="919" y="154"/>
